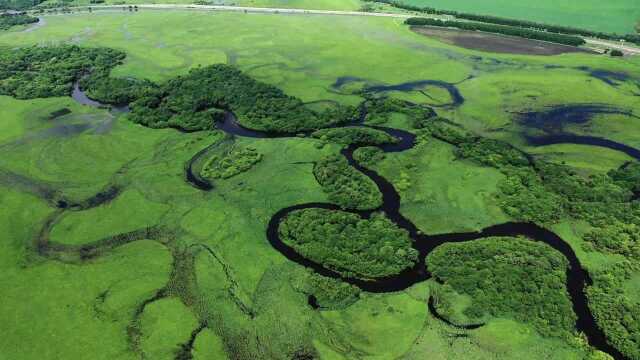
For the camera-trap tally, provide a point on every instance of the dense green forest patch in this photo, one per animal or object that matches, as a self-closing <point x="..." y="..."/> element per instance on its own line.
<point x="355" y="136"/>
<point x="615" y="311"/>
<point x="189" y="99"/>
<point x="509" y="277"/>
<point x="235" y="161"/>
<point x="38" y="72"/>
<point x="345" y="185"/>
<point x="345" y="242"/>
<point x="8" y="21"/>
<point x="368" y="155"/>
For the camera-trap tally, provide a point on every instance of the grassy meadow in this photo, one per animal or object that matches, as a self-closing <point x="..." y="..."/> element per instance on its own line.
<point x="237" y="284"/>
<point x="619" y="16"/>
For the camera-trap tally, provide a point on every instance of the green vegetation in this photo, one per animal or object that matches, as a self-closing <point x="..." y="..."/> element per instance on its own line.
<point x="345" y="242"/>
<point x="237" y="160"/>
<point x="246" y="292"/>
<point x="368" y="155"/>
<point x="192" y="102"/>
<point x="330" y="294"/>
<point x="509" y="277"/>
<point x="355" y="136"/>
<point x="617" y="16"/>
<point x="380" y="110"/>
<point x="18" y="4"/>
<point x="346" y="186"/>
<point x="34" y="72"/>
<point x="500" y="29"/>
<point x="8" y="21"/>
<point x="616" y="312"/>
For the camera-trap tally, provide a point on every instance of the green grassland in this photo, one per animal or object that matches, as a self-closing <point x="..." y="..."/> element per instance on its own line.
<point x="236" y="283"/>
<point x="281" y="4"/>
<point x="612" y="16"/>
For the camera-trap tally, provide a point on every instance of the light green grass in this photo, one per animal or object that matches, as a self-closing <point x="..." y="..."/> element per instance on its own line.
<point x="440" y="193"/>
<point x="611" y="16"/>
<point x="166" y="324"/>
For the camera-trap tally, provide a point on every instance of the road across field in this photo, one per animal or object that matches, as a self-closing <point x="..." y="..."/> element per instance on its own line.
<point x="627" y="49"/>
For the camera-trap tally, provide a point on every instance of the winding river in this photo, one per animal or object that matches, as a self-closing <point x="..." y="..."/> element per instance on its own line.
<point x="577" y="277"/>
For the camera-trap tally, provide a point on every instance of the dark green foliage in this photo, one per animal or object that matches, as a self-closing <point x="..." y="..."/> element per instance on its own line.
<point x="380" y="109"/>
<point x="257" y="105"/>
<point x="7" y="21"/>
<point x="509" y="277"/>
<point x="355" y="135"/>
<point x="616" y="53"/>
<point x="368" y="155"/>
<point x="543" y="192"/>
<point x="441" y="129"/>
<point x="524" y="197"/>
<point x="345" y="242"/>
<point x="615" y="312"/>
<point x="491" y="153"/>
<point x="628" y="176"/>
<point x="346" y="186"/>
<point x="35" y="72"/>
<point x="18" y="4"/>
<point x="618" y="238"/>
<point x="235" y="161"/>
<point x="500" y="29"/>
<point x="120" y="91"/>
<point x="331" y="294"/>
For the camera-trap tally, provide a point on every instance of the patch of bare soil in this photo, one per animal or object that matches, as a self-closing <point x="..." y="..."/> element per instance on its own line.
<point x="476" y="40"/>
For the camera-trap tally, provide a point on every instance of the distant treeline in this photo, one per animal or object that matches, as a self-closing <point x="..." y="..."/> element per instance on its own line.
<point x="9" y="20"/>
<point x="500" y="29"/>
<point x="558" y="29"/>
<point x="18" y="4"/>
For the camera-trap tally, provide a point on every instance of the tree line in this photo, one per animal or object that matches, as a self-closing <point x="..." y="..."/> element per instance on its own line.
<point x="8" y="21"/>
<point x="500" y="29"/>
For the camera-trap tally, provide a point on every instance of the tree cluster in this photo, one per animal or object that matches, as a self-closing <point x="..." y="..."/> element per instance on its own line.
<point x="509" y="277"/>
<point x="617" y="313"/>
<point x="37" y="72"/>
<point x="8" y="21"/>
<point x="346" y="243"/>
<point x="500" y="29"/>
<point x="18" y="4"/>
<point x="368" y="155"/>
<point x="235" y="161"/>
<point x="346" y="186"/>
<point x="379" y="111"/>
<point x="257" y="105"/>
<point x="355" y="135"/>
<point x="329" y="293"/>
